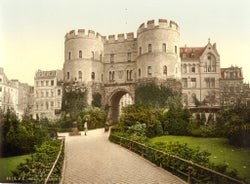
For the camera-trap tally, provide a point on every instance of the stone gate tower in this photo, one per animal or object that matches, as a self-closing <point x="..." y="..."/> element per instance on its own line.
<point x="113" y="65"/>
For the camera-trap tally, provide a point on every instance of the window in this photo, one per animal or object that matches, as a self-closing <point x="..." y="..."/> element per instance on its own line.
<point x="165" y="70"/>
<point x="163" y="47"/>
<point x="47" y="94"/>
<point x="69" y="55"/>
<point x="51" y="104"/>
<point x="68" y="75"/>
<point x="42" y="83"/>
<point x="210" y="82"/>
<point x="111" y="76"/>
<point x="184" y="83"/>
<point x="184" y="68"/>
<point x="129" y="75"/>
<point x="149" y="47"/>
<point x="193" y="82"/>
<point x="140" y="51"/>
<point x="139" y="72"/>
<point x="0" y="79"/>
<point x="52" y="93"/>
<point x="175" y="49"/>
<point x="93" y="55"/>
<point x="42" y="94"/>
<point x="58" y="92"/>
<point x="52" y="82"/>
<point x="112" y="58"/>
<point x="80" y="54"/>
<point x="93" y="75"/>
<point x="47" y="105"/>
<point x="210" y="64"/>
<point x="129" y="56"/>
<point x="100" y="57"/>
<point x="193" y="69"/>
<point x="102" y="77"/>
<point x="0" y="88"/>
<point x="47" y="83"/>
<point x="80" y="75"/>
<point x="149" y="70"/>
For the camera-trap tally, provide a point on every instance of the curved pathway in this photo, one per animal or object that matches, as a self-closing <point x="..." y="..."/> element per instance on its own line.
<point x="93" y="159"/>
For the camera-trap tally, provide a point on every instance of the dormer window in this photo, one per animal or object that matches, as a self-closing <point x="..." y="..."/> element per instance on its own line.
<point x="192" y="55"/>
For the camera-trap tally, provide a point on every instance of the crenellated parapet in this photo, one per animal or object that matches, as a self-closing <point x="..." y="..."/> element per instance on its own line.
<point x="162" y="23"/>
<point x="82" y="34"/>
<point x="120" y="37"/>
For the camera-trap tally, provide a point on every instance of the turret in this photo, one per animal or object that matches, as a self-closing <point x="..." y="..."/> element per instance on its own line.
<point x="158" y="50"/>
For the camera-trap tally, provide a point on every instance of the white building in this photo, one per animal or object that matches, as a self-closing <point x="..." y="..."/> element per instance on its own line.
<point x="47" y="93"/>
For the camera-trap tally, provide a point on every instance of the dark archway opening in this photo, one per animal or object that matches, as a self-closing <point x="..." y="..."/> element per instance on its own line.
<point x="114" y="107"/>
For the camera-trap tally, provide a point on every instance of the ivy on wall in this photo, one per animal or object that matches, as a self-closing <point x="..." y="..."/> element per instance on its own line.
<point x="73" y="102"/>
<point x="97" y="100"/>
<point x="152" y="94"/>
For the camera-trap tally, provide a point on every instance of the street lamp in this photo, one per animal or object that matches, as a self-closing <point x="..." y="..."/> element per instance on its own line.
<point x="76" y="89"/>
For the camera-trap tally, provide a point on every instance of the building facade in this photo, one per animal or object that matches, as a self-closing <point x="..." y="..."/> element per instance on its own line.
<point x="200" y="69"/>
<point x="15" y="95"/>
<point x="233" y="89"/>
<point x="47" y="94"/>
<point x="113" y="65"/>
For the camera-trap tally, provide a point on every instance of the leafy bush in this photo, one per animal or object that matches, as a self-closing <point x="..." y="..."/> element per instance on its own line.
<point x="37" y="168"/>
<point x="234" y="123"/>
<point x="135" y="114"/>
<point x="20" y="136"/>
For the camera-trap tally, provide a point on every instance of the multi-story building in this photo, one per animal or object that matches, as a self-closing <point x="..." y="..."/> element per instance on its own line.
<point x="15" y="95"/>
<point x="200" y="68"/>
<point x="47" y="93"/>
<point x="232" y="88"/>
<point x="8" y="93"/>
<point x="113" y="66"/>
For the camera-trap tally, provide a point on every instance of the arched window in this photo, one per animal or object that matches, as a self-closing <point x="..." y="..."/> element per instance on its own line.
<point x="175" y="49"/>
<point x="165" y="70"/>
<point x="140" y="51"/>
<point x="139" y="72"/>
<point x="164" y="47"/>
<point x="149" y="47"/>
<point x="80" y="75"/>
<point x="69" y="55"/>
<point x="80" y="54"/>
<point x="68" y="75"/>
<point x="93" y="75"/>
<point x="100" y="57"/>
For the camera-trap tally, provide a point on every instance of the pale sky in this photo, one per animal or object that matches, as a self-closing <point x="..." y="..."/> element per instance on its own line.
<point x="32" y="31"/>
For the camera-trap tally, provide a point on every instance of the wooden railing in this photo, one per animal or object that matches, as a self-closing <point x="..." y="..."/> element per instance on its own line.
<point x="187" y="170"/>
<point x="59" y="157"/>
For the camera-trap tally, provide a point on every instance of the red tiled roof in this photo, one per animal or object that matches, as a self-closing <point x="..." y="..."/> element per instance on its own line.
<point x="192" y="52"/>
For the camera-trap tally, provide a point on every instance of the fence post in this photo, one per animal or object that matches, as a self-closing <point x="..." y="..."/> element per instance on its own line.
<point x="190" y="168"/>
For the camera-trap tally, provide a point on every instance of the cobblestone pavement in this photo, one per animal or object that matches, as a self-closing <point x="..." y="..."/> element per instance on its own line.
<point x="93" y="159"/>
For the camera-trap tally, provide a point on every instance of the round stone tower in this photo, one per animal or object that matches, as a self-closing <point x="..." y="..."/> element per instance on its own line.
<point x="158" y="51"/>
<point x="83" y="58"/>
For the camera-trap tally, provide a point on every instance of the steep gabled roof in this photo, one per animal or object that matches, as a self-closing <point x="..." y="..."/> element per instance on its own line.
<point x="191" y="52"/>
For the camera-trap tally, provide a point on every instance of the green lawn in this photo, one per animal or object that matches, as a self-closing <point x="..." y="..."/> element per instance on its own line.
<point x="9" y="164"/>
<point x="221" y="151"/>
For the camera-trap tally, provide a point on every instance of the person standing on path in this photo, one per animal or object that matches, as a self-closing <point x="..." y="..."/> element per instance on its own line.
<point x="85" y="127"/>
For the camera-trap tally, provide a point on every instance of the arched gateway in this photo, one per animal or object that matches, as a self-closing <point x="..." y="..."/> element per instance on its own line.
<point x="113" y="98"/>
<point x="113" y="65"/>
